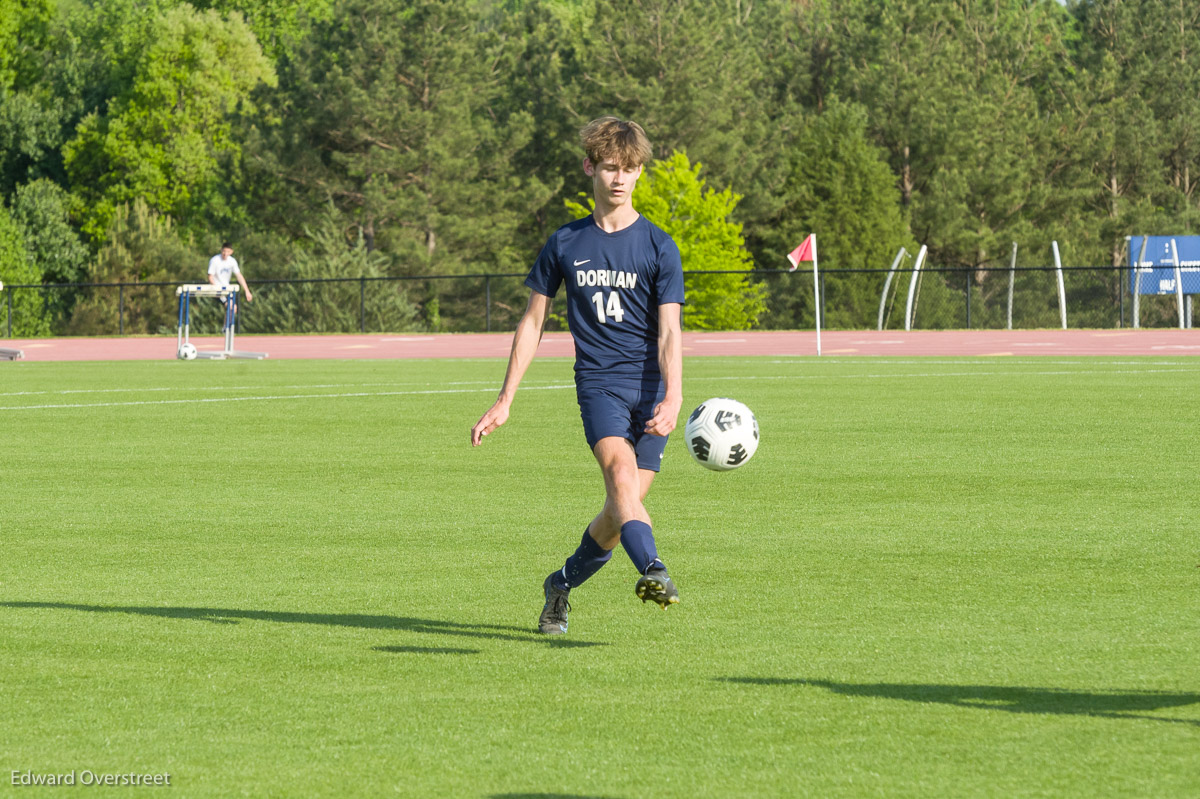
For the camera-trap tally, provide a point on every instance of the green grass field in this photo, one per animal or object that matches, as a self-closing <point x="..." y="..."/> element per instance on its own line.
<point x="937" y="577"/>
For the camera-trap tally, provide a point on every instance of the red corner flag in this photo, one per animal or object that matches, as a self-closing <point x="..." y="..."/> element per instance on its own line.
<point x="802" y="253"/>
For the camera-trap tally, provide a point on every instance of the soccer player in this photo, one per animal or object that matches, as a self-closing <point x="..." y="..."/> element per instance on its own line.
<point x="624" y="286"/>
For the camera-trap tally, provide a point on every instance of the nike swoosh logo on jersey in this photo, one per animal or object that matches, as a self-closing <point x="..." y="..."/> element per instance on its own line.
<point x="585" y="261"/>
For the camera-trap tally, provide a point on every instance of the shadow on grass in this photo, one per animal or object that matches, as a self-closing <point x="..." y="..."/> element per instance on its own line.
<point x="498" y="632"/>
<point x="544" y="796"/>
<point x="427" y="650"/>
<point x="1105" y="704"/>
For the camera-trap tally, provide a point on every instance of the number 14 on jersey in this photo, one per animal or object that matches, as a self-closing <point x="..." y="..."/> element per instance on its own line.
<point x="608" y="310"/>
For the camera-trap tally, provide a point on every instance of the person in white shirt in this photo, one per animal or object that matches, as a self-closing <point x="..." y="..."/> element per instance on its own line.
<point x="223" y="266"/>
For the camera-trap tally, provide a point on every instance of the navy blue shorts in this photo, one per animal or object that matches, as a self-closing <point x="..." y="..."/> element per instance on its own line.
<point x="609" y="410"/>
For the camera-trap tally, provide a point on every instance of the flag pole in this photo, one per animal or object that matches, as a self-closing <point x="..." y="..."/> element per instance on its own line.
<point x="816" y="294"/>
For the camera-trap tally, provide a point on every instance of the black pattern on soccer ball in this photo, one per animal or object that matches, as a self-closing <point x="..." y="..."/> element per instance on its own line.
<point x="727" y="419"/>
<point x="737" y="454"/>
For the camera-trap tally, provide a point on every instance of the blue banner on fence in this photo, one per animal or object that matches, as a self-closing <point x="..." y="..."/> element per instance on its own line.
<point x="1156" y="273"/>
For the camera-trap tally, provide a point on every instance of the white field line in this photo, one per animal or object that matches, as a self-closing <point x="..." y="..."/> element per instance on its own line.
<point x="267" y="397"/>
<point x="253" y="388"/>
<point x="989" y="361"/>
<point x="908" y="375"/>
<point x="492" y="386"/>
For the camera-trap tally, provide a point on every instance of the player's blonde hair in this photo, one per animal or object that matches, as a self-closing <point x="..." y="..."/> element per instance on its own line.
<point x="609" y="138"/>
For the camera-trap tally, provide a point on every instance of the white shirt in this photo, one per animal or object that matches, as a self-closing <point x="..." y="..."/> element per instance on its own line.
<point x="223" y="268"/>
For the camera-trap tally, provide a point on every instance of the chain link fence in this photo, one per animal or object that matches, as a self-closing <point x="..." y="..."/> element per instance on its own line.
<point x="928" y="299"/>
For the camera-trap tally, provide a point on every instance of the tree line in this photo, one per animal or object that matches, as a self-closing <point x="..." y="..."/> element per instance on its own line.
<point x="374" y="138"/>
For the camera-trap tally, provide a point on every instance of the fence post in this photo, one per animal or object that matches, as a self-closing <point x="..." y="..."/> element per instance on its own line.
<point x="968" y="274"/>
<point x="822" y="320"/>
<point x="912" y="287"/>
<point x="10" y="291"/>
<point x="1062" y="291"/>
<point x="887" y="284"/>
<point x="1137" y="283"/>
<point x="1012" y="277"/>
<point x="487" y="299"/>
<point x="1178" y="285"/>
<point x="1120" y="299"/>
<point x="362" y="305"/>
<point x="121" y="309"/>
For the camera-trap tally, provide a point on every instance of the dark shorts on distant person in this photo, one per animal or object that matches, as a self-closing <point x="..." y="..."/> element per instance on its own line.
<point x="615" y="410"/>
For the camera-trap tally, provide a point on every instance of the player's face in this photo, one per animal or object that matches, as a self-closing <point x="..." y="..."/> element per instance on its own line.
<point x="226" y="252"/>
<point x="612" y="183"/>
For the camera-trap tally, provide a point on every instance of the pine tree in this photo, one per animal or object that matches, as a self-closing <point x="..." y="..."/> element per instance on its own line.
<point x="141" y="246"/>
<point x="841" y="189"/>
<point x="395" y="117"/>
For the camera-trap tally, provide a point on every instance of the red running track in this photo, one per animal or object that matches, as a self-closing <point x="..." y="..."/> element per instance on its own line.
<point x="779" y="343"/>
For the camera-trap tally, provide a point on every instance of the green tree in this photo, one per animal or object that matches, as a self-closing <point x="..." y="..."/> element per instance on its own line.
<point x="16" y="268"/>
<point x="538" y="88"/>
<point x="672" y="195"/>
<point x="697" y="75"/>
<point x="961" y="98"/>
<point x="1137" y="99"/>
<point x="30" y="134"/>
<point x="166" y="137"/>
<point x="31" y="111"/>
<point x="333" y="253"/>
<point x="396" y="117"/>
<point x="41" y="210"/>
<point x="840" y="188"/>
<point x="279" y="25"/>
<point x="23" y="28"/>
<point x="140" y="246"/>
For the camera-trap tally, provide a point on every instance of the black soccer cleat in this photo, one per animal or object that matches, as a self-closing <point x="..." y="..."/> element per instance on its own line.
<point x="553" y="620"/>
<point x="657" y="586"/>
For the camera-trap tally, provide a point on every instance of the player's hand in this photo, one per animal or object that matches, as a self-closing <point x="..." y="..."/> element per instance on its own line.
<point x="496" y="416"/>
<point x="249" y="296"/>
<point x="665" y="415"/>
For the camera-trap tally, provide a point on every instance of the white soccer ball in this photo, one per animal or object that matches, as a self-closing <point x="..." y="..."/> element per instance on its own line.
<point x="721" y="434"/>
<point x="187" y="352"/>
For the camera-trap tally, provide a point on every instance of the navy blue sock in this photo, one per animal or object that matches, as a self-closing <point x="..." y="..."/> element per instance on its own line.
<point x="638" y="540"/>
<point x="586" y="561"/>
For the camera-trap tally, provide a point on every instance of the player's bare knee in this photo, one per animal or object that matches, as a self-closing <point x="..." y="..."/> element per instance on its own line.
<point x="624" y="487"/>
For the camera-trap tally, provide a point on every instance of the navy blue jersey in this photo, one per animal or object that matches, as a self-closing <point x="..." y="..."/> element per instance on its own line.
<point x="615" y="283"/>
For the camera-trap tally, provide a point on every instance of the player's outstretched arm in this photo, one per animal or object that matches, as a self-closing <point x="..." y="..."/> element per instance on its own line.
<point x="670" y="363"/>
<point x="246" y="289"/>
<point x="525" y="344"/>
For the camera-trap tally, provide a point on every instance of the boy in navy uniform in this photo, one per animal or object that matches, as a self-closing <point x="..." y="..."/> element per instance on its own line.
<point x="624" y="284"/>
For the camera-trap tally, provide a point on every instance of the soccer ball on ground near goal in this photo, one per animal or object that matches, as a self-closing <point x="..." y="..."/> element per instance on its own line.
<point x="721" y="434"/>
<point x="187" y="352"/>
